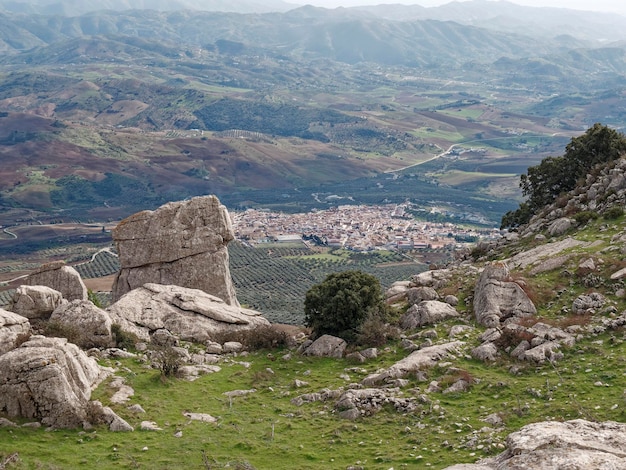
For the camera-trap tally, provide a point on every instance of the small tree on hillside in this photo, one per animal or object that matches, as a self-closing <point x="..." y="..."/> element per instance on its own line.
<point x="554" y="176"/>
<point x="341" y="303"/>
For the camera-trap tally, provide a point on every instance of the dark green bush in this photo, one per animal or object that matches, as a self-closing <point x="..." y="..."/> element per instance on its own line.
<point x="614" y="212"/>
<point x="585" y="216"/>
<point x="341" y="303"/>
<point x="123" y="339"/>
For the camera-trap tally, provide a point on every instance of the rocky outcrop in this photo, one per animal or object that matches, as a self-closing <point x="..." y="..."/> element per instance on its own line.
<point x="12" y="328"/>
<point x="543" y="253"/>
<point x="36" y="302"/>
<point x="354" y="403"/>
<point x="422" y="358"/>
<point x="90" y="325"/>
<point x="602" y="191"/>
<point x="427" y="312"/>
<point x="326" y="346"/>
<point x="497" y="298"/>
<point x="552" y="445"/>
<point x="60" y="277"/>
<point x="189" y="314"/>
<point x="416" y="295"/>
<point x="180" y="243"/>
<point x="435" y="278"/>
<point x="50" y="380"/>
<point x="588" y="303"/>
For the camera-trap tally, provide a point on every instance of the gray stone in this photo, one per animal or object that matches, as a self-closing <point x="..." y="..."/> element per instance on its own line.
<point x="355" y="357"/>
<point x="586" y="302"/>
<point x="149" y="426"/>
<point x="370" y="353"/>
<point x="326" y="346"/>
<point x="458" y="330"/>
<point x="90" y="325"/>
<point x="202" y="417"/>
<point x="458" y="387"/>
<point x="621" y="274"/>
<point x="50" y="380"/>
<point x="108" y="416"/>
<point x="543" y="252"/>
<point x="427" y="312"/>
<point x="35" y="302"/>
<point x="181" y="243"/>
<point x="560" y="226"/>
<point x="571" y="445"/>
<point x="136" y="408"/>
<point x="189" y="314"/>
<point x="435" y="278"/>
<point x="451" y="299"/>
<point x="213" y="347"/>
<point x="520" y="349"/>
<point x="587" y="265"/>
<point x="59" y="277"/>
<point x="13" y="328"/>
<point x="7" y="423"/>
<point x="542" y="353"/>
<point x="550" y="264"/>
<point x="491" y="334"/>
<point x="497" y="298"/>
<point x="423" y="358"/>
<point x="232" y="347"/>
<point x="486" y="352"/>
<point x="416" y="295"/>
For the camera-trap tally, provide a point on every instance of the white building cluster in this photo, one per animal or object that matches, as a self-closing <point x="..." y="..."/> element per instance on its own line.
<point x="360" y="228"/>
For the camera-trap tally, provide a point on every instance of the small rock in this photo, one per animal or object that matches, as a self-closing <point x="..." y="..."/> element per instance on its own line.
<point x="232" y="347"/>
<point x="149" y="426"/>
<point x="136" y="408"/>
<point x="202" y="417"/>
<point x="370" y="353"/>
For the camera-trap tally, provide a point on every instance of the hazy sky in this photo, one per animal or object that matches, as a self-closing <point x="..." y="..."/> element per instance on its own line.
<point x="596" y="5"/>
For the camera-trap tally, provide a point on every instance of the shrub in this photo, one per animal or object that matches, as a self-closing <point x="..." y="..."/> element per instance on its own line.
<point x="342" y="302"/>
<point x="57" y="329"/>
<point x="376" y="332"/>
<point x="93" y="298"/>
<point x="263" y="337"/>
<point x="614" y="212"/>
<point x="123" y="339"/>
<point x="585" y="216"/>
<point x="166" y="359"/>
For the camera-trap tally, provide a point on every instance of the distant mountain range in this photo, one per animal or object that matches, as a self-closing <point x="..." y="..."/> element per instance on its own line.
<point x="143" y="102"/>
<point x="500" y="16"/>
<point x="81" y="7"/>
<point x="348" y="36"/>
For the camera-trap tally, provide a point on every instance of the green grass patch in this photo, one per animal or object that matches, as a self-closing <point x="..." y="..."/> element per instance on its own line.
<point x="265" y="430"/>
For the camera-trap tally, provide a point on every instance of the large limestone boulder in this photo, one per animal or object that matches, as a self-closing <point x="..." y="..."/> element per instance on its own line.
<point x="36" y="302"/>
<point x="189" y="314"/>
<point x="50" y="380"/>
<point x="180" y="243"/>
<point x="497" y="298"/>
<point x="12" y="328"/>
<point x="90" y="326"/>
<point x="553" y="445"/>
<point x="60" y="277"/>
<point x="427" y="312"/>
